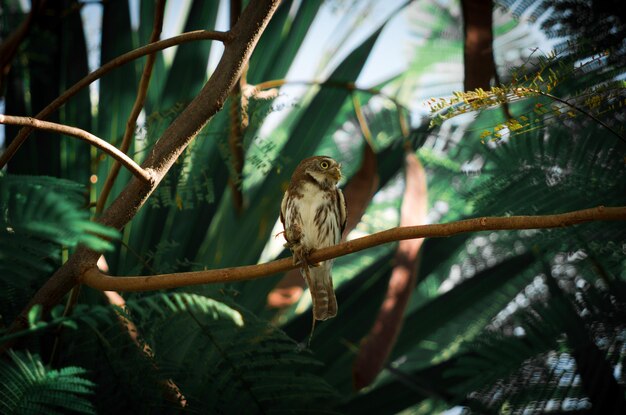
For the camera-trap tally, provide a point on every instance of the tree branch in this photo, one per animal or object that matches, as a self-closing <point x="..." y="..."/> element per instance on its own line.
<point x="238" y="123"/>
<point x="95" y="279"/>
<point x="134" y="113"/>
<point x="276" y="83"/>
<point x="242" y="40"/>
<point x="83" y="135"/>
<point x="103" y="70"/>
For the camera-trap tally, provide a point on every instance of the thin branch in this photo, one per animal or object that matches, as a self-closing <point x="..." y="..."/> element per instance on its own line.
<point x="329" y="84"/>
<point x="171" y="391"/>
<point x="134" y="114"/>
<point x="103" y="70"/>
<point x="577" y="108"/>
<point x="83" y="135"/>
<point x="238" y="122"/>
<point x="365" y="129"/>
<point x="95" y="279"/>
<point x="69" y="306"/>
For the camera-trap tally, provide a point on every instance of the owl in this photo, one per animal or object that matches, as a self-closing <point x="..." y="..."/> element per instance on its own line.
<point x="313" y="213"/>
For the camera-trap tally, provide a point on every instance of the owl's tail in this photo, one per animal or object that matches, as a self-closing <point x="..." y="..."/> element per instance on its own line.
<point x="320" y="282"/>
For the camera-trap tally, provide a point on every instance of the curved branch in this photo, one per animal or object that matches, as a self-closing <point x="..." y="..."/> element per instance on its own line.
<point x="349" y="86"/>
<point x="104" y="69"/>
<point x="95" y="279"/>
<point x="81" y="135"/>
<point x="134" y="113"/>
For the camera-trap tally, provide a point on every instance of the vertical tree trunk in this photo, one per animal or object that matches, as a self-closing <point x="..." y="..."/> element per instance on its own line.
<point x="379" y="342"/>
<point x="480" y="67"/>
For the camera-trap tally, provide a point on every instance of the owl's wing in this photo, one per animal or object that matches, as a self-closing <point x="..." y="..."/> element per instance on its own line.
<point x="341" y="202"/>
<point x="283" y="208"/>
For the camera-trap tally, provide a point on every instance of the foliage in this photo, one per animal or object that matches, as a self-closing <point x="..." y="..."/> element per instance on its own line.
<point x="41" y="217"/>
<point x="600" y="99"/>
<point x="28" y="387"/>
<point x="507" y="322"/>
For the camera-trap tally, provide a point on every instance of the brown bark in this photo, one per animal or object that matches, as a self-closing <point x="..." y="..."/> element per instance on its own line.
<point x="237" y="125"/>
<point x="480" y="67"/>
<point x="378" y="344"/>
<point x="241" y="42"/>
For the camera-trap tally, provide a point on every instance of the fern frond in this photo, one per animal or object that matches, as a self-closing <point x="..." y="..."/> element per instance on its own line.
<point x="48" y="209"/>
<point x="39" y="217"/>
<point x="222" y="359"/>
<point x="256" y="368"/>
<point x="28" y="387"/>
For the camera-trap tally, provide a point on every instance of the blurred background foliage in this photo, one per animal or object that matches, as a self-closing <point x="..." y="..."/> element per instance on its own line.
<point x="510" y="322"/>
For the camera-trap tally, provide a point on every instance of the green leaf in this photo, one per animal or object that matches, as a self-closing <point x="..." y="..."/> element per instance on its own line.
<point x="34" y="315"/>
<point x="42" y="215"/>
<point x="187" y="75"/>
<point x="468" y="297"/>
<point x="281" y="41"/>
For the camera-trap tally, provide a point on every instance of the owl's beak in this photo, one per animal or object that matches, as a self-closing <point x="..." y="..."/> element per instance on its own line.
<point x="337" y="172"/>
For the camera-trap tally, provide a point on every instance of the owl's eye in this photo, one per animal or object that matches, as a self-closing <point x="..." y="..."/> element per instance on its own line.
<point x="324" y="164"/>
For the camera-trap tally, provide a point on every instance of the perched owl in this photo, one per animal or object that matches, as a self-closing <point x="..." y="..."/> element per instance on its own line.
<point x="313" y="213"/>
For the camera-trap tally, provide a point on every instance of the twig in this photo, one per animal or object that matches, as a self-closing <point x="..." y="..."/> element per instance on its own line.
<point x="577" y="108"/>
<point x="365" y="129"/>
<point x="69" y="306"/>
<point x="83" y="135"/>
<point x="134" y="114"/>
<point x="237" y="125"/>
<point x="171" y="391"/>
<point x="103" y="70"/>
<point x="95" y="279"/>
<point x="330" y="84"/>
